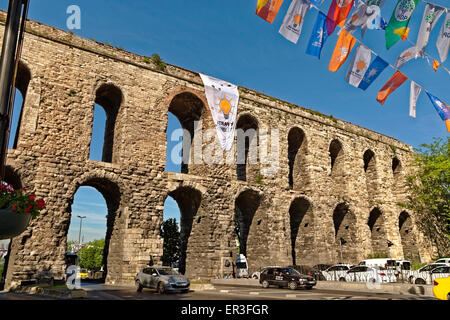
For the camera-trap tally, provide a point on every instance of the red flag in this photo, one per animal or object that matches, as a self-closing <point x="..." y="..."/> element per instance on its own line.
<point x="338" y="12"/>
<point x="268" y="9"/>
<point x="394" y="82"/>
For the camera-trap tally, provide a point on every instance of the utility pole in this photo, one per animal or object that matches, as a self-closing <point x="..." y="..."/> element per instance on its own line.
<point x="9" y="62"/>
<point x="79" y="235"/>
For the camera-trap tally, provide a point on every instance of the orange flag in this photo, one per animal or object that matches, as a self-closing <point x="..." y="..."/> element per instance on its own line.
<point x="436" y="65"/>
<point x="394" y="82"/>
<point x="268" y="9"/>
<point x="343" y="48"/>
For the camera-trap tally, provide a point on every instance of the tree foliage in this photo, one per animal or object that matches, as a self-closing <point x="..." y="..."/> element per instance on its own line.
<point x="91" y="255"/>
<point x="429" y="192"/>
<point x="171" y="247"/>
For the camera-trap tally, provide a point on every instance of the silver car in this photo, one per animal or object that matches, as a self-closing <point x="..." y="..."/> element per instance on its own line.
<point x="163" y="279"/>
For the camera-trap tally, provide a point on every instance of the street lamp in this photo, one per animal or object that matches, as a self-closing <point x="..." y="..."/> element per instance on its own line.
<point x="79" y="235"/>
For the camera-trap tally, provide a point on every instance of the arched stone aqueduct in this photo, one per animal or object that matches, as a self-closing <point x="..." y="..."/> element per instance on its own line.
<point x="334" y="179"/>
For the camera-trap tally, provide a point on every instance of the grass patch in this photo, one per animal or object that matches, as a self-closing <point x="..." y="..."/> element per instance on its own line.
<point x="159" y="63"/>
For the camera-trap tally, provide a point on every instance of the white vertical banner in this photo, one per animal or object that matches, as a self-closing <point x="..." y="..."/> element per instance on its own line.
<point x="443" y="41"/>
<point x="293" y="21"/>
<point x="223" y="100"/>
<point x="413" y="96"/>
<point x="359" y="65"/>
<point x="430" y="17"/>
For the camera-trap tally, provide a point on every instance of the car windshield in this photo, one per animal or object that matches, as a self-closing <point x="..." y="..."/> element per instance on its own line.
<point x="290" y="271"/>
<point x="167" y="272"/>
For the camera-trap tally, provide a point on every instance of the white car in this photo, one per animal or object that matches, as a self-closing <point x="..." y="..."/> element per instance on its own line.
<point x="370" y="274"/>
<point x="443" y="260"/>
<point x="336" y="272"/>
<point x="428" y="276"/>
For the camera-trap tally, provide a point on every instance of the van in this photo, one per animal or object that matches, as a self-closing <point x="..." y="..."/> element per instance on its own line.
<point x="241" y="266"/>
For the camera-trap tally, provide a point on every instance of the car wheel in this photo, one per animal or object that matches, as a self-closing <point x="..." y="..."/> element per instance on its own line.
<point x="342" y="279"/>
<point x="185" y="291"/>
<point x="420" y="281"/>
<point x="138" y="286"/>
<point x="411" y="280"/>
<point x="265" y="284"/>
<point x="161" y="288"/>
<point x="292" y="285"/>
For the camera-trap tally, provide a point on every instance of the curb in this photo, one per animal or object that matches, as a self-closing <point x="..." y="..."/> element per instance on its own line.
<point x="54" y="293"/>
<point x="201" y="287"/>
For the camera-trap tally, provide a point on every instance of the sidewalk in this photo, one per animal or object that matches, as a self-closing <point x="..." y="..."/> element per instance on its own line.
<point x="390" y="288"/>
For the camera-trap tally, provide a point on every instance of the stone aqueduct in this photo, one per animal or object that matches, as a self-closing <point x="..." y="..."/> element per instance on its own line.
<point x="335" y="179"/>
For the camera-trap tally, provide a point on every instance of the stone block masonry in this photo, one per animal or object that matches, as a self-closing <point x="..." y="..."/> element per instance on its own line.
<point x="334" y="179"/>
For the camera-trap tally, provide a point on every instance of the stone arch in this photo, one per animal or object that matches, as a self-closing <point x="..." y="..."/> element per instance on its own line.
<point x="301" y="219"/>
<point x="336" y="152"/>
<point x="370" y="170"/>
<point x="377" y="227"/>
<point x="397" y="172"/>
<point x="188" y="107"/>
<point x="247" y="141"/>
<point x="408" y="237"/>
<point x="297" y="147"/>
<point x="344" y="221"/>
<point x="110" y="98"/>
<point x="23" y="79"/>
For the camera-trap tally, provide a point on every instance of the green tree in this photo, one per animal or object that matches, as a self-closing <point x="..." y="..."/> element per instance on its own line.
<point x="429" y="195"/>
<point x="91" y="255"/>
<point x="70" y="245"/>
<point x="171" y="248"/>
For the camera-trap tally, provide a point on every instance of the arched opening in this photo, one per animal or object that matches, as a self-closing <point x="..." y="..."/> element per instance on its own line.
<point x="296" y="139"/>
<point x="370" y="171"/>
<point x="344" y="222"/>
<point x="188" y="200"/>
<point x="337" y="158"/>
<point x="170" y="232"/>
<point x="377" y="232"/>
<point x="23" y="79"/>
<point x="302" y="231"/>
<point x="247" y="142"/>
<point x="369" y="161"/>
<point x="94" y="210"/>
<point x="409" y="243"/>
<point x="246" y="205"/>
<point x="109" y="97"/>
<point x="188" y="109"/>
<point x="396" y="166"/>
<point x="173" y="164"/>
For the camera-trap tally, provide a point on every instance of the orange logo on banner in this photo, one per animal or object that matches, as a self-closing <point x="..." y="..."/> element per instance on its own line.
<point x="343" y="48"/>
<point x="394" y="82"/>
<point x="225" y="106"/>
<point x="268" y="9"/>
<point x="436" y="65"/>
<point x="298" y="19"/>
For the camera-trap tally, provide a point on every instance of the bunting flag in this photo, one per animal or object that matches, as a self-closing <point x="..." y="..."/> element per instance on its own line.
<point x="293" y="21"/>
<point x="394" y="82"/>
<point x="223" y="100"/>
<point x="375" y="22"/>
<point x="361" y="16"/>
<point x="442" y="108"/>
<point x="359" y="65"/>
<point x="343" y="48"/>
<point x="431" y="15"/>
<point x="337" y="13"/>
<point x="443" y="41"/>
<point x="375" y="69"/>
<point x="318" y="36"/>
<point x="397" y="27"/>
<point x="268" y="9"/>
<point x="413" y="96"/>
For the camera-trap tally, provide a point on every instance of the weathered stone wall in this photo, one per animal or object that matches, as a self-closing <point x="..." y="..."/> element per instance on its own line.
<point x="68" y="75"/>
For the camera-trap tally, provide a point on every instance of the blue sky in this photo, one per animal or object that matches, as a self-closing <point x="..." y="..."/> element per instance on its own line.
<point x="227" y="40"/>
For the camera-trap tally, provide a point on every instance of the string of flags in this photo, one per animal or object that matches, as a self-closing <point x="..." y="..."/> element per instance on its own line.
<point x="362" y="70"/>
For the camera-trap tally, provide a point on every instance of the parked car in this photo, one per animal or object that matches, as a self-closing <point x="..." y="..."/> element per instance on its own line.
<point x="257" y="274"/>
<point x="422" y="273"/>
<point x="443" y="260"/>
<point x="427" y="277"/>
<point x="83" y="274"/>
<point x="369" y="274"/>
<point x="314" y="271"/>
<point x="163" y="279"/>
<point x="286" y="277"/>
<point x="441" y="289"/>
<point x="336" y="272"/>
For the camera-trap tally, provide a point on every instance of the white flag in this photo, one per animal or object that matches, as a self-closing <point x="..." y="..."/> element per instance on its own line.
<point x="375" y="20"/>
<point x="405" y="56"/>
<point x="359" y="65"/>
<point x="443" y="41"/>
<point x="363" y="15"/>
<point x="293" y="21"/>
<point x="223" y="100"/>
<point x="413" y="96"/>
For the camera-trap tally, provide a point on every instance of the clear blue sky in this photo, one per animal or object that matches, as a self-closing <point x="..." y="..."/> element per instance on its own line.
<point x="227" y="40"/>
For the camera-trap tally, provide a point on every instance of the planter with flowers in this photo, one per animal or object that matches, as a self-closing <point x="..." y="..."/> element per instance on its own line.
<point x="17" y="208"/>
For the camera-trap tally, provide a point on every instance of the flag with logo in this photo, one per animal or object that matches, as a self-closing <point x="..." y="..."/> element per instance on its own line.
<point x="394" y="82"/>
<point x="413" y="96"/>
<point x="360" y="17"/>
<point x="375" y="69"/>
<point x="268" y="9"/>
<point x="343" y="48"/>
<point x="293" y="21"/>
<point x="431" y="15"/>
<point x="442" y="108"/>
<point x="359" y="65"/>
<point x="443" y="41"/>
<point x="397" y="27"/>
<point x="375" y="22"/>
<point x="318" y="36"/>
<point x="337" y="13"/>
<point x="223" y="100"/>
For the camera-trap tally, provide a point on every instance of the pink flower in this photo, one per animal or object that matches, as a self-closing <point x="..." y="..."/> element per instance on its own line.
<point x="14" y="207"/>
<point x="40" y="204"/>
<point x="32" y="197"/>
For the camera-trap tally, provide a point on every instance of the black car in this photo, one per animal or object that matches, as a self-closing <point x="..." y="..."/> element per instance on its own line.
<point x="286" y="277"/>
<point x="315" y="271"/>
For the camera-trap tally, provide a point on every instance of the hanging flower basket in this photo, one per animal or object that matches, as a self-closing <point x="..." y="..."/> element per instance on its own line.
<point x="17" y="208"/>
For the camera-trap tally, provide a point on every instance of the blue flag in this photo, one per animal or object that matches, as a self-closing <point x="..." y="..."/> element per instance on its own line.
<point x="376" y="67"/>
<point x="442" y="108"/>
<point x="318" y="36"/>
